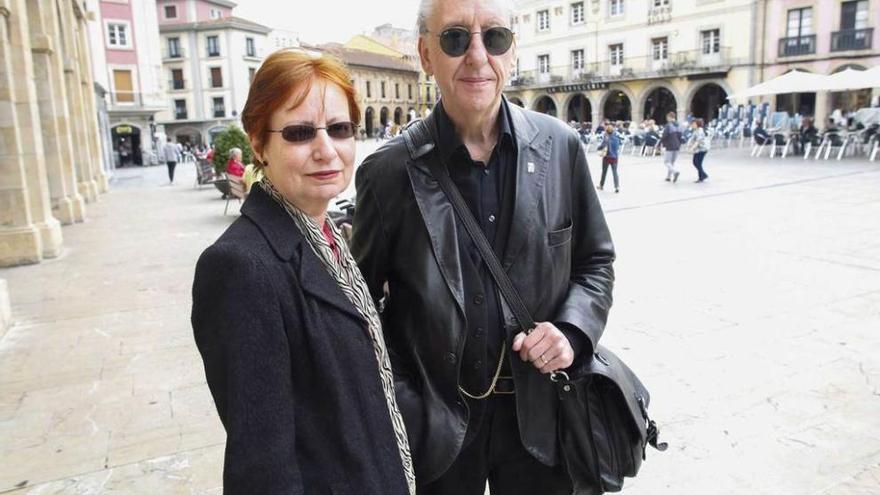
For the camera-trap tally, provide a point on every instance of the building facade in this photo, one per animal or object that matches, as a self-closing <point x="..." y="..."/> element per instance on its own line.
<point x="400" y="43"/>
<point x="209" y="58"/>
<point x="387" y="87"/>
<point x="127" y="63"/>
<point x="51" y="160"/>
<point x="822" y="37"/>
<point x="590" y="60"/>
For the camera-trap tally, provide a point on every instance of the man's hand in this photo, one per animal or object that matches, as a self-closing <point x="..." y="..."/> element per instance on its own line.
<point x="546" y="347"/>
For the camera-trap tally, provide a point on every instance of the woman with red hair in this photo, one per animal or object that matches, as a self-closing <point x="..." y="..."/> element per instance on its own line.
<point x="291" y="341"/>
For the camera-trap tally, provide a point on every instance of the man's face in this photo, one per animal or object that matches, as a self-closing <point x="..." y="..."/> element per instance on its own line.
<point x="471" y="83"/>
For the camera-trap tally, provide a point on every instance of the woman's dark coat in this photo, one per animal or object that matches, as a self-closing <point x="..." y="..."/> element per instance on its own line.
<point x="290" y="365"/>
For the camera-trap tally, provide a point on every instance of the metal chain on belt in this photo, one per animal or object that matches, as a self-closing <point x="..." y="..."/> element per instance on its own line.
<point x="487" y="393"/>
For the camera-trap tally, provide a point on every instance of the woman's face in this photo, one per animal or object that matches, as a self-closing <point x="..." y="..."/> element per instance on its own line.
<point x="311" y="173"/>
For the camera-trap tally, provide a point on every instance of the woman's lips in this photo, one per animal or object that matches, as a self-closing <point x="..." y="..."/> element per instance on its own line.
<point x="326" y="175"/>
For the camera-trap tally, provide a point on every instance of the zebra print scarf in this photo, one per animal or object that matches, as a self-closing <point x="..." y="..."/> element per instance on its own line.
<point x="346" y="273"/>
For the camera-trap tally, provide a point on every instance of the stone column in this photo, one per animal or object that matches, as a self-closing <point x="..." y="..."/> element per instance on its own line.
<point x="27" y="121"/>
<point x="67" y="204"/>
<point x="88" y="188"/>
<point x="88" y="81"/>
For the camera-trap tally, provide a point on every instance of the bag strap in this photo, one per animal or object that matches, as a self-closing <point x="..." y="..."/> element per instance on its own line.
<point x="419" y="141"/>
<point x="505" y="286"/>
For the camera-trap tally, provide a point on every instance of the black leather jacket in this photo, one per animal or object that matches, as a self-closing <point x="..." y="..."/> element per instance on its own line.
<point x="559" y="256"/>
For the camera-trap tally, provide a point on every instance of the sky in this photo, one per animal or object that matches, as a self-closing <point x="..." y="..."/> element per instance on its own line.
<point x="320" y="21"/>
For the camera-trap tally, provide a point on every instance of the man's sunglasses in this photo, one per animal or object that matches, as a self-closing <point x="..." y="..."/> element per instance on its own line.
<point x="301" y="133"/>
<point x="456" y="40"/>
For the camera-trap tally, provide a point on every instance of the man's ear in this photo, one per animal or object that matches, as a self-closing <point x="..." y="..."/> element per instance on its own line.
<point x="424" y="55"/>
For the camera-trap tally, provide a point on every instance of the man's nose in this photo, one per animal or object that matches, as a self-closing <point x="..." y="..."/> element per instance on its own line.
<point x="476" y="52"/>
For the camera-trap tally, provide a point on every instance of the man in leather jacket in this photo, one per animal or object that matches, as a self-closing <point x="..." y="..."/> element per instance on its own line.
<point x="475" y="391"/>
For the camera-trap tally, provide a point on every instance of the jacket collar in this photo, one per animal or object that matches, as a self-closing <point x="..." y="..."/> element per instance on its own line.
<point x="286" y="240"/>
<point x="275" y="224"/>
<point x="533" y="158"/>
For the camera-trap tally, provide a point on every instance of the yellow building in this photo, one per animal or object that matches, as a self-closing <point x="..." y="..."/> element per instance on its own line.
<point x="400" y="43"/>
<point x="387" y="87"/>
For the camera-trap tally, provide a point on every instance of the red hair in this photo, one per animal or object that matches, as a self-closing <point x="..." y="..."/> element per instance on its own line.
<point x="283" y="74"/>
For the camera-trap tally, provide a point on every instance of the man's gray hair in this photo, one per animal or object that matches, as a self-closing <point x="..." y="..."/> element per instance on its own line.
<point x="426" y="10"/>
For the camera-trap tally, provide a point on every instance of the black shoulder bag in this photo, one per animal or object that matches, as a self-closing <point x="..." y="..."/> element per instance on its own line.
<point x="603" y="422"/>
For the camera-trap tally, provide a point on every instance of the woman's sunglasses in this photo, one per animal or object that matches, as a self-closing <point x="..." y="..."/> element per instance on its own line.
<point x="301" y="133"/>
<point x="456" y="40"/>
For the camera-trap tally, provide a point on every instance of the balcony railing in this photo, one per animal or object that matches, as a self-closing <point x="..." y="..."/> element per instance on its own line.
<point x="661" y="13"/>
<point x="180" y="114"/>
<point x="797" y="45"/>
<point x="679" y="63"/>
<point x="177" y="84"/>
<point x="851" y="39"/>
<point x="169" y="54"/>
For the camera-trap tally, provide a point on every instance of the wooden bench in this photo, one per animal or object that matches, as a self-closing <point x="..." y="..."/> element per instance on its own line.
<point x="204" y="173"/>
<point x="236" y="190"/>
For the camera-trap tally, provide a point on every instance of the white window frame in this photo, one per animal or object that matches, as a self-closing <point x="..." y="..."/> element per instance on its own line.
<point x="664" y="51"/>
<point x="168" y="46"/>
<point x="542" y="67"/>
<point x="207" y="45"/>
<point x="577" y="8"/>
<point x="578" y="63"/>
<point x="615" y="61"/>
<point x="250" y="46"/>
<point x="616" y="8"/>
<point x="543" y="20"/>
<point x="660" y="3"/>
<point x="127" y="28"/>
<point x="714" y="41"/>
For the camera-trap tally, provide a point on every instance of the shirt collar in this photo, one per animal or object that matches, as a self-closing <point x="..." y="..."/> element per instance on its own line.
<point x="448" y="140"/>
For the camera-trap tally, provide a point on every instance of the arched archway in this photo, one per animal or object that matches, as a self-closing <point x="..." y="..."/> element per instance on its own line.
<point x="707" y="100"/>
<point x="658" y="103"/>
<point x="398" y="115"/>
<point x="383" y="116"/>
<point x="369" y="118"/>
<point x="516" y="101"/>
<point x="545" y="104"/>
<point x="579" y="109"/>
<point x="127" y="144"/>
<point x="850" y="100"/>
<point x="617" y="107"/>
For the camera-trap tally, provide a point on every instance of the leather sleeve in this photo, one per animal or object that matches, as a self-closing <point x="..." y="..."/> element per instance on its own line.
<point x="589" y="298"/>
<point x="240" y="334"/>
<point x="369" y="243"/>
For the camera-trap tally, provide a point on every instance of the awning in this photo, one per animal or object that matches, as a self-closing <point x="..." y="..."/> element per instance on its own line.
<point x="806" y="82"/>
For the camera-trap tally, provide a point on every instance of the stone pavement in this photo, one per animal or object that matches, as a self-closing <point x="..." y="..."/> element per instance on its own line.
<point x="750" y="306"/>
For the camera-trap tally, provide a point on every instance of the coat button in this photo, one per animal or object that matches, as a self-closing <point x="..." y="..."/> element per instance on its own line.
<point x="478" y="299"/>
<point x="479" y="332"/>
<point x="478" y="364"/>
<point x="450" y="357"/>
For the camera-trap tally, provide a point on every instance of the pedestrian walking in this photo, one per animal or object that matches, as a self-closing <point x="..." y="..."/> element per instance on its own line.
<point x="671" y="142"/>
<point x="699" y="145"/>
<point x="171" y="154"/>
<point x="611" y="146"/>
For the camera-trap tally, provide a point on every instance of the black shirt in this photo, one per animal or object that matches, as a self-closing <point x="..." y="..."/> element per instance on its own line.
<point x="488" y="189"/>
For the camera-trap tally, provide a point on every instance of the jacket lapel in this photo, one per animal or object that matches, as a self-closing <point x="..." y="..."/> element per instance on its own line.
<point x="439" y="218"/>
<point x="286" y="240"/>
<point x="533" y="158"/>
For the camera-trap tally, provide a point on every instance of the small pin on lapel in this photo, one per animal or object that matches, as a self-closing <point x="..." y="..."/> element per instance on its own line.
<point x="531" y="167"/>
